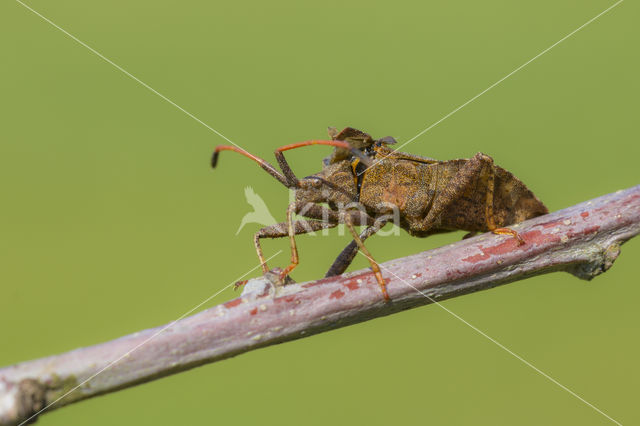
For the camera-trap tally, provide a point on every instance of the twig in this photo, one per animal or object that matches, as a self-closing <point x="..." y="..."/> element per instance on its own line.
<point x="584" y="240"/>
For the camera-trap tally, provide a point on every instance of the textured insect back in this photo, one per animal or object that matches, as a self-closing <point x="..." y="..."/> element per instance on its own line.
<point x="513" y="201"/>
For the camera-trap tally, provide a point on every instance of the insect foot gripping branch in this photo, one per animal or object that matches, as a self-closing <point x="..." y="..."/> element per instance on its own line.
<point x="366" y="183"/>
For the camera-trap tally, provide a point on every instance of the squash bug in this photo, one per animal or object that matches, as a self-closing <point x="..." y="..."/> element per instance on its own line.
<point x="365" y="183"/>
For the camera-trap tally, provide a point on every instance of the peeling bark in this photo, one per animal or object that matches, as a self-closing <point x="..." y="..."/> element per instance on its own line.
<point x="583" y="240"/>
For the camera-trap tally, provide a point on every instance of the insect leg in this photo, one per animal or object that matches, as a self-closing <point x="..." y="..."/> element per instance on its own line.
<point x="347" y="255"/>
<point x="283" y="229"/>
<point x="373" y="263"/>
<point x="489" y="206"/>
<point x="357" y="217"/>
<point x="292" y="242"/>
<point x="470" y="171"/>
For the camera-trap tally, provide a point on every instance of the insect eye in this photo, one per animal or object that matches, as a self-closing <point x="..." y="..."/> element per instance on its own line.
<point x="313" y="182"/>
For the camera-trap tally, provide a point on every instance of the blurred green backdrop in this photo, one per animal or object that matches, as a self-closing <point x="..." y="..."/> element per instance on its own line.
<point x="112" y="221"/>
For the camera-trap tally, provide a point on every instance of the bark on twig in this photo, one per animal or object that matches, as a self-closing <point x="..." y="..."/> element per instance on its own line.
<point x="584" y="240"/>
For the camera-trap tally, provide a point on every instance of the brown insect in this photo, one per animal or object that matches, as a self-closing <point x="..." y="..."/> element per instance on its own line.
<point x="365" y="183"/>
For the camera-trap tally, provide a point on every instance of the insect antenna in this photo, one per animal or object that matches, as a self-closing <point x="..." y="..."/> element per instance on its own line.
<point x="339" y="144"/>
<point x="265" y="165"/>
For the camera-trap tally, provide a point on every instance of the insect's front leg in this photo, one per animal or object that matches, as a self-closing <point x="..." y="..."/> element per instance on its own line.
<point x="349" y="217"/>
<point x="289" y="228"/>
<point x="292" y="242"/>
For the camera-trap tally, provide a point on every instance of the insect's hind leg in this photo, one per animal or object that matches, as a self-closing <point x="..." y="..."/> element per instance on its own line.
<point x="489" y="217"/>
<point x="472" y="170"/>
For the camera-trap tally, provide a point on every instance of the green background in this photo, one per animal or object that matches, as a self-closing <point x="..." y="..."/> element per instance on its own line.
<point x="112" y="221"/>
